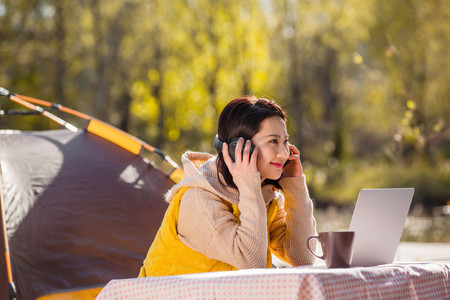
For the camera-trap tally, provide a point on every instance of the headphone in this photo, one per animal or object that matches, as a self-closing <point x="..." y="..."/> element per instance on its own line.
<point x="218" y="144"/>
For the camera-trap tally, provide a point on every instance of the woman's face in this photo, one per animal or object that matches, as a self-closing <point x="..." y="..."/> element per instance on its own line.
<point x="272" y="141"/>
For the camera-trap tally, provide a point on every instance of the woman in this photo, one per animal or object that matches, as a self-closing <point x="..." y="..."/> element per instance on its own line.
<point x="232" y="213"/>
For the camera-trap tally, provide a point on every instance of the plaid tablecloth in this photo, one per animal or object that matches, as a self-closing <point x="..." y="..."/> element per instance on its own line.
<point x="419" y="280"/>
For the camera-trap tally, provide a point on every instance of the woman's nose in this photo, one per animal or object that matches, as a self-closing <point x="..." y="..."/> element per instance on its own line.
<point x="284" y="151"/>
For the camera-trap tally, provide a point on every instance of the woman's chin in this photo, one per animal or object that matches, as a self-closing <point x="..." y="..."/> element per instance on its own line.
<point x="274" y="176"/>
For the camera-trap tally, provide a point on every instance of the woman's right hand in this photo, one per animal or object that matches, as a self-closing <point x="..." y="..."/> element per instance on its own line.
<point x="244" y="162"/>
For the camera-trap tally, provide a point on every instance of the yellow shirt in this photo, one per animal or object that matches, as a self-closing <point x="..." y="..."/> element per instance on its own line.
<point x="170" y="256"/>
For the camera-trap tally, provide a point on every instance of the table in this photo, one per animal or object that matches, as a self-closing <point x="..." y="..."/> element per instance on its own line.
<point x="417" y="280"/>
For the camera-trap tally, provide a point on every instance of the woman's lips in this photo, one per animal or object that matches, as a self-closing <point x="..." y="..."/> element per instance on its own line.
<point x="277" y="165"/>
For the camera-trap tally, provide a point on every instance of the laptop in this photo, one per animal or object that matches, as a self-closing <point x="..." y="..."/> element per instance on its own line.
<point x="378" y="221"/>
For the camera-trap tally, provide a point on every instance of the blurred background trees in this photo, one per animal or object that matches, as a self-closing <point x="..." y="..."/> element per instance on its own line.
<point x="365" y="83"/>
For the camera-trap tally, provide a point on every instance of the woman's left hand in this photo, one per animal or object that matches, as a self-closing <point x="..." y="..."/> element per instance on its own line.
<point x="294" y="167"/>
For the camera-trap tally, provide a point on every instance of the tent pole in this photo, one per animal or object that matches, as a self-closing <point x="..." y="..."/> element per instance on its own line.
<point x="95" y="126"/>
<point x="12" y="288"/>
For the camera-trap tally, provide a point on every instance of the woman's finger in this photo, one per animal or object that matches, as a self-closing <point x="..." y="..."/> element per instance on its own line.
<point x="294" y="150"/>
<point x="226" y="155"/>
<point x="246" y="155"/>
<point x="254" y="156"/>
<point x="238" y="150"/>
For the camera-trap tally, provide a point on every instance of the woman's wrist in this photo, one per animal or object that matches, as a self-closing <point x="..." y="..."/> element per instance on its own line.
<point x="247" y="180"/>
<point x="294" y="190"/>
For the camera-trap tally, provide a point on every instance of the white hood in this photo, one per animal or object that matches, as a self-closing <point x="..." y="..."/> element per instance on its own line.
<point x="200" y="170"/>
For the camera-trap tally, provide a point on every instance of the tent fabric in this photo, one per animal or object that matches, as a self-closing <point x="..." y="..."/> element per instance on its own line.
<point x="79" y="210"/>
<point x="76" y="294"/>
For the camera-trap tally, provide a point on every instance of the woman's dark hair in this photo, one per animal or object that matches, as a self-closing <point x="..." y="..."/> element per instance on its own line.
<point x="242" y="118"/>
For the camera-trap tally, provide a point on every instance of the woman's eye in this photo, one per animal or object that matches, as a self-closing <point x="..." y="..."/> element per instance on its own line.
<point x="274" y="141"/>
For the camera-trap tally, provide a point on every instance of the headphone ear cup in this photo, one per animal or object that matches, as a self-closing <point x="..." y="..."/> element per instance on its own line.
<point x="232" y="148"/>
<point x="218" y="144"/>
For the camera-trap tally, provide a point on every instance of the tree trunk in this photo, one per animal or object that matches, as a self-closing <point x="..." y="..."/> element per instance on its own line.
<point x="101" y="93"/>
<point x="60" y="61"/>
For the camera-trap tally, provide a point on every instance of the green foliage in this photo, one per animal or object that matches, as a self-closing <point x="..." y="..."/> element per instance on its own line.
<point x="364" y="83"/>
<point x="341" y="182"/>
